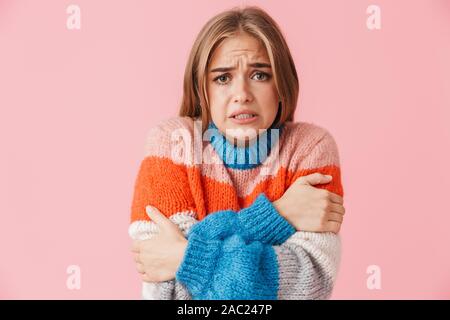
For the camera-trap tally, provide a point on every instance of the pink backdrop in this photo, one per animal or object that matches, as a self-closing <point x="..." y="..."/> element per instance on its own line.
<point x="76" y="106"/>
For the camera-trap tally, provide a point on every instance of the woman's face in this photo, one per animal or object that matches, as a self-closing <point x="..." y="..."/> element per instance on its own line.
<point x="240" y="79"/>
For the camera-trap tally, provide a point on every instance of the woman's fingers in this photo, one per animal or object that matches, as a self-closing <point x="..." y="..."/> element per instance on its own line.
<point x="140" y="268"/>
<point x="158" y="217"/>
<point x="336" y="198"/>
<point x="334" y="207"/>
<point x="146" y="278"/>
<point x="333" y="216"/>
<point x="314" y="178"/>
<point x="135" y="246"/>
<point x="333" y="226"/>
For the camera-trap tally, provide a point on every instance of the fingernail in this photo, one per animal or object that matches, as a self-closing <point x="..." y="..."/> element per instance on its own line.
<point x="328" y="176"/>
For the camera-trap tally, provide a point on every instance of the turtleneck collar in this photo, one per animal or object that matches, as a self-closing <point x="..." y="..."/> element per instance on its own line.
<point x="247" y="157"/>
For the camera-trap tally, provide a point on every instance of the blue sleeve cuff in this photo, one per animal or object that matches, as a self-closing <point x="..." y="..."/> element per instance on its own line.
<point x="216" y="225"/>
<point x="199" y="263"/>
<point x="262" y="222"/>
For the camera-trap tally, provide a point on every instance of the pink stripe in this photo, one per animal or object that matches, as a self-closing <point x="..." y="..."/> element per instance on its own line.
<point x="304" y="146"/>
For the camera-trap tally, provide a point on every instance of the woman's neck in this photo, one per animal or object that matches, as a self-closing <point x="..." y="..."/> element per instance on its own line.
<point x="243" y="154"/>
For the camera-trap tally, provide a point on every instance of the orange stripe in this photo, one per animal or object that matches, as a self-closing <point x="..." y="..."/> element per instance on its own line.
<point x="275" y="187"/>
<point x="152" y="188"/>
<point x="175" y="188"/>
<point x="334" y="186"/>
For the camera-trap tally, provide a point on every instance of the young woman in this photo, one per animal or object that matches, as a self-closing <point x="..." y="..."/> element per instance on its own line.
<point x="258" y="196"/>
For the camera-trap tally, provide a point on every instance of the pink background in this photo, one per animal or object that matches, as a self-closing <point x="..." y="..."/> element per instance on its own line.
<point x="76" y="106"/>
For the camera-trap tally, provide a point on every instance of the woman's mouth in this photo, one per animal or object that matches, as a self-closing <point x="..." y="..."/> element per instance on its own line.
<point x="244" y="118"/>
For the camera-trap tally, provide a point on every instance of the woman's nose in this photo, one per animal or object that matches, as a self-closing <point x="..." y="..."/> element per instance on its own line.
<point x="242" y="92"/>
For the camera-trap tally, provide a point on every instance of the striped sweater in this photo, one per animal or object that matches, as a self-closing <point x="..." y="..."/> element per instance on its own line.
<point x="220" y="196"/>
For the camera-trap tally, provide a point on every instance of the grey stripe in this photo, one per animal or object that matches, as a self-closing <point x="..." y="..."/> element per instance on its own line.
<point x="301" y="277"/>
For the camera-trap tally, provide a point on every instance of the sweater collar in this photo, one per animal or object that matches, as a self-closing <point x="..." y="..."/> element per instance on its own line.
<point x="247" y="157"/>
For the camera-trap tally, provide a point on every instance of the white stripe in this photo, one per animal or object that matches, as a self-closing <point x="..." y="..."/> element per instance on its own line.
<point x="144" y="229"/>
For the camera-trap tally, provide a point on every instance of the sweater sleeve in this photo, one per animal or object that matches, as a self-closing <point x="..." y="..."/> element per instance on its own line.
<point x="259" y="223"/>
<point x="294" y="266"/>
<point x="309" y="261"/>
<point x="239" y="257"/>
<point x="164" y="184"/>
<point x="221" y="262"/>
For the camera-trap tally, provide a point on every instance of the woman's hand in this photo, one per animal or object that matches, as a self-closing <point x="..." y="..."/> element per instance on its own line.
<point x="159" y="258"/>
<point x="311" y="209"/>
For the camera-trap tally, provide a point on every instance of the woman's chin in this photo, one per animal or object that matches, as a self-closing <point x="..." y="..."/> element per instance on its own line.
<point x="253" y="125"/>
<point x="242" y="133"/>
<point x="242" y="140"/>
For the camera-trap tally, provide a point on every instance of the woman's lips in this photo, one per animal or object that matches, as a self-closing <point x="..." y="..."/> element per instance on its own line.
<point x="244" y="121"/>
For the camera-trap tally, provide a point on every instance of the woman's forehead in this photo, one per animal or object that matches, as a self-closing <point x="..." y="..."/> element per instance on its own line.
<point x="238" y="58"/>
<point x="230" y="54"/>
<point x="244" y="46"/>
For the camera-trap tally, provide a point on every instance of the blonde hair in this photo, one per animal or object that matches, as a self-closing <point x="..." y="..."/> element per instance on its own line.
<point x="257" y="23"/>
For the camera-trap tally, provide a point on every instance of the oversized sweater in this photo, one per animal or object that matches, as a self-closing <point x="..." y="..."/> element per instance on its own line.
<point x="220" y="196"/>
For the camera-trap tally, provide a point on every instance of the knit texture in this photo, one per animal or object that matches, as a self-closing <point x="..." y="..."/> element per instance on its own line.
<point x="247" y="157"/>
<point x="230" y="247"/>
<point x="239" y="246"/>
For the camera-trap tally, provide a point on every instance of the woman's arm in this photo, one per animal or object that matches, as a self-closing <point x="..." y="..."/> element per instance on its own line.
<point x="302" y="267"/>
<point x="154" y="186"/>
<point x="302" y="258"/>
<point x="295" y="262"/>
<point x="221" y="262"/>
<point x="258" y="222"/>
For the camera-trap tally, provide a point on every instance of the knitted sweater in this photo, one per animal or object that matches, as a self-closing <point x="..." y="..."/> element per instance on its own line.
<point x="239" y="246"/>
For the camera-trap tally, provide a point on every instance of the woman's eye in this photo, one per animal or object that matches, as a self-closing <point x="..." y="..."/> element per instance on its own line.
<point x="262" y="76"/>
<point x="221" y="79"/>
<point x="224" y="78"/>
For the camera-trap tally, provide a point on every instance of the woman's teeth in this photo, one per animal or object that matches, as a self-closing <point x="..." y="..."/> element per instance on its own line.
<point x="244" y="116"/>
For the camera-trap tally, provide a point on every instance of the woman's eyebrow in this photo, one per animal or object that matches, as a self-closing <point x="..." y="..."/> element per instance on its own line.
<point x="254" y="65"/>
